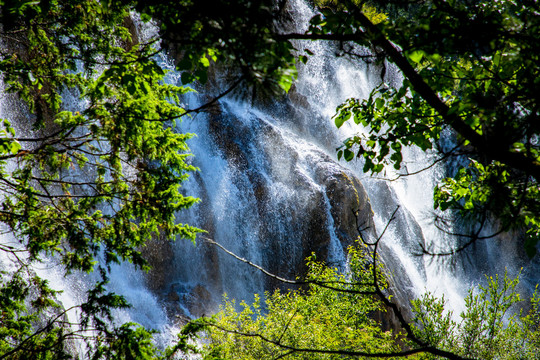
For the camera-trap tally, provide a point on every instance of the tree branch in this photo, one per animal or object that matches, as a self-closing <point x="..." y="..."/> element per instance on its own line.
<point x="493" y="151"/>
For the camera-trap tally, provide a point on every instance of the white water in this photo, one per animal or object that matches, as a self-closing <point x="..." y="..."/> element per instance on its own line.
<point x="261" y="175"/>
<point x="247" y="147"/>
<point x="301" y="137"/>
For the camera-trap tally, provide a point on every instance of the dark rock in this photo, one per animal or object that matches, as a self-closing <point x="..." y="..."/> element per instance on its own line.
<point x="160" y="255"/>
<point x="199" y="301"/>
<point x="350" y="207"/>
<point x="132" y="28"/>
<point x="297" y="99"/>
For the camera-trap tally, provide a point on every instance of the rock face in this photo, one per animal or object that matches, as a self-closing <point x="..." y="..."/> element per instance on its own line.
<point x="273" y="198"/>
<point x="349" y="202"/>
<point x="159" y="254"/>
<point x="301" y="195"/>
<point x="272" y="192"/>
<point x="275" y="201"/>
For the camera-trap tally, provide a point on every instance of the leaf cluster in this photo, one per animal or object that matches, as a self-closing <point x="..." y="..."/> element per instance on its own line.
<point x="91" y="168"/>
<point x="470" y="69"/>
<point x="333" y="319"/>
<point x="239" y="34"/>
<point x="490" y="327"/>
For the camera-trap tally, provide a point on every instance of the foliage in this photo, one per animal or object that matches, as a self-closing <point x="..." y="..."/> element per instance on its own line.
<point x="333" y="319"/>
<point x="470" y="68"/>
<point x="368" y="9"/>
<point x="237" y="33"/>
<point x="90" y="169"/>
<point x="91" y="163"/>
<point x="93" y="182"/>
<point x="488" y="329"/>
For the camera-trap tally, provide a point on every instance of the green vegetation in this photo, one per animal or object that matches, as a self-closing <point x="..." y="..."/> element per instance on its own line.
<point x="490" y="327"/>
<point x="91" y="164"/>
<point x="370" y="11"/>
<point x="95" y="181"/>
<point x="82" y="182"/>
<point x="239" y="34"/>
<point x="470" y="69"/>
<point x="332" y="318"/>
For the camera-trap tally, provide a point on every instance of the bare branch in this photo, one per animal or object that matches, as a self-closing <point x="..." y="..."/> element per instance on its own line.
<point x="296" y="282"/>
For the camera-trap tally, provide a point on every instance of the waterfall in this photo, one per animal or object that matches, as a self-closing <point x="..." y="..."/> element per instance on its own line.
<point x="266" y="175"/>
<point x="272" y="191"/>
<point x="267" y="184"/>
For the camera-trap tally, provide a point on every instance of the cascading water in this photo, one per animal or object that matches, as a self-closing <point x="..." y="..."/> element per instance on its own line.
<point x="267" y="184"/>
<point x="268" y="188"/>
<point x="272" y="191"/>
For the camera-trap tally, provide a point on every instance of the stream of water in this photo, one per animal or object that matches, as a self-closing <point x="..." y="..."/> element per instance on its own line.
<point x="271" y="190"/>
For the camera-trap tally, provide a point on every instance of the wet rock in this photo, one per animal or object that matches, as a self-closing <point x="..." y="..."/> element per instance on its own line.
<point x="298" y="200"/>
<point x="210" y="253"/>
<point x="183" y="302"/>
<point x="297" y="99"/>
<point x="229" y="135"/>
<point x="129" y="24"/>
<point x="349" y="203"/>
<point x="387" y="320"/>
<point x="199" y="301"/>
<point x="173" y="296"/>
<point x="160" y="255"/>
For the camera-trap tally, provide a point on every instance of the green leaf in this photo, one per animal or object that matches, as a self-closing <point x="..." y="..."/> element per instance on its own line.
<point x="348" y="155"/>
<point x="416" y="56"/>
<point x="379" y="104"/>
<point x="187" y="78"/>
<point x="341" y="118"/>
<point x="131" y="88"/>
<point x="530" y="247"/>
<point x="184" y="64"/>
<point x="461" y="192"/>
<point x="14" y="147"/>
<point x="145" y="17"/>
<point x="201" y="76"/>
<point x="204" y="61"/>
